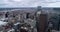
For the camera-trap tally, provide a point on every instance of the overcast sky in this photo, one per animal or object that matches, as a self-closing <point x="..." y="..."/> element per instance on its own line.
<point x="29" y="3"/>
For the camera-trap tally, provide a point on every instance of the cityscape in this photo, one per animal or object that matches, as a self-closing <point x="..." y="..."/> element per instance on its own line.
<point x="29" y="15"/>
<point x="30" y="19"/>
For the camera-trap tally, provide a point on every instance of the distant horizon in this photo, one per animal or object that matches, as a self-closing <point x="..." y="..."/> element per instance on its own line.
<point x="12" y="7"/>
<point x="29" y="7"/>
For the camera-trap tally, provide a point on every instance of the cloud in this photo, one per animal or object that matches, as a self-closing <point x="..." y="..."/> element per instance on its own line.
<point x="57" y="4"/>
<point x="29" y="3"/>
<point x="18" y="3"/>
<point x="50" y="3"/>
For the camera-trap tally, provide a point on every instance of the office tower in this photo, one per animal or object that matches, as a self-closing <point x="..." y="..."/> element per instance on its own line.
<point x="6" y="15"/>
<point x="42" y="22"/>
<point x="27" y="15"/>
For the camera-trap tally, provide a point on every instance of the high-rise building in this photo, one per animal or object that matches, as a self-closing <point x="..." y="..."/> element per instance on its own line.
<point x="42" y="22"/>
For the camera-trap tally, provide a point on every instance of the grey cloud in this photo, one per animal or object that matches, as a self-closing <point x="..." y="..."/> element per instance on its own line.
<point x="21" y="3"/>
<point x="29" y="3"/>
